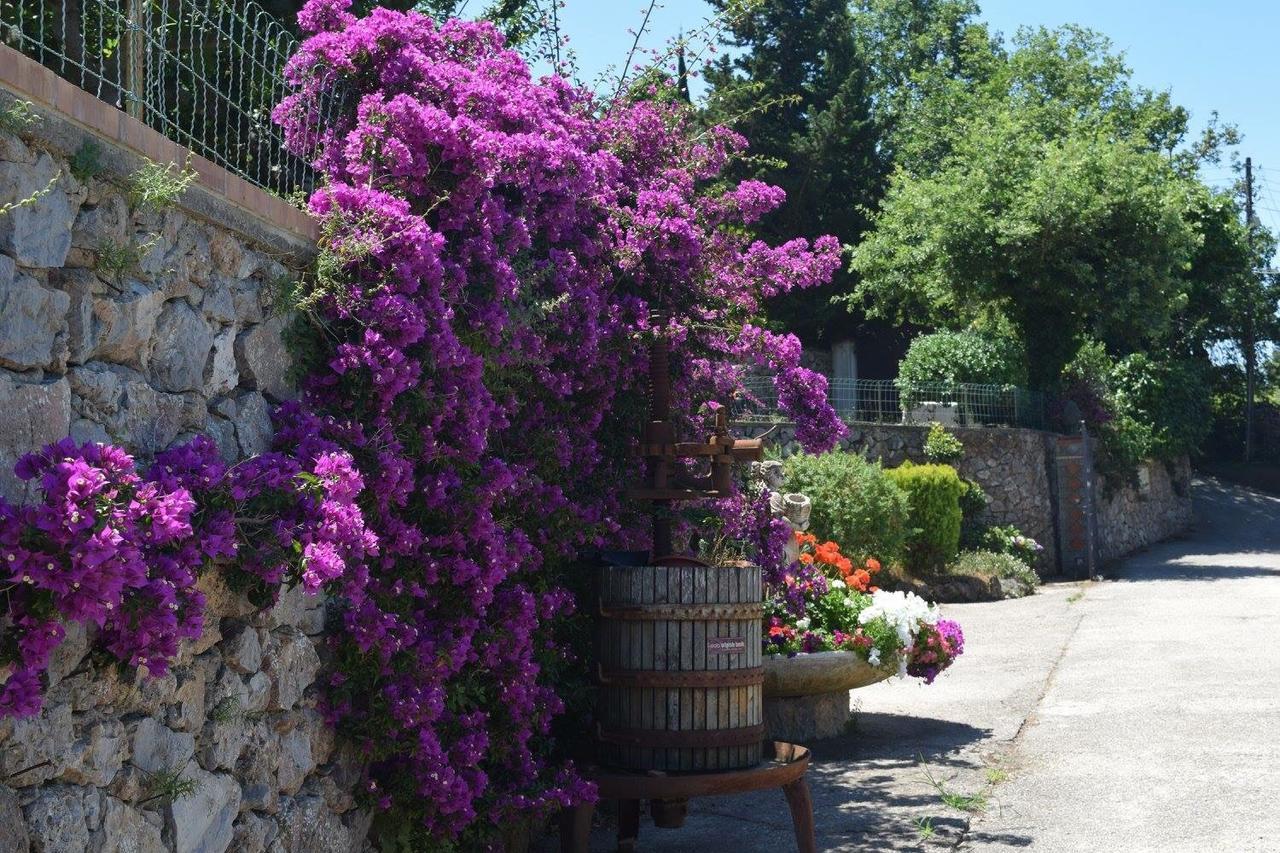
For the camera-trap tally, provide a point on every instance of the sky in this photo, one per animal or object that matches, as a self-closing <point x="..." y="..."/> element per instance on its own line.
<point x="1219" y="55"/>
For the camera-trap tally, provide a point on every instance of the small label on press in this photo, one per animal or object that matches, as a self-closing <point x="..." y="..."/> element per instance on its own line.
<point x="726" y="645"/>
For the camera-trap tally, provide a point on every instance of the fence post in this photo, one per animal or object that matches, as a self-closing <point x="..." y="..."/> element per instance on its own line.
<point x="135" y="71"/>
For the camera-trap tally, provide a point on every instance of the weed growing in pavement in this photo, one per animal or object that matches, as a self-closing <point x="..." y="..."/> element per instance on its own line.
<point x="971" y="803"/>
<point x="996" y="775"/>
<point x="924" y="828"/>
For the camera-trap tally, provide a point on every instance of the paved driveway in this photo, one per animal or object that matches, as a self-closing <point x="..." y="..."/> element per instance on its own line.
<point x="1137" y="714"/>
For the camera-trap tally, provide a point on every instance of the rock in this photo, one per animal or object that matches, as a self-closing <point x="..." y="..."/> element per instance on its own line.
<point x="57" y="819"/>
<point x="220" y="374"/>
<point x="66" y="658"/>
<point x="31" y="416"/>
<point x="226" y="253"/>
<point x="13" y="828"/>
<point x="296" y="758"/>
<point x="306" y="824"/>
<point x="799" y="719"/>
<point x="292" y="665"/>
<point x="259" y="692"/>
<point x="183" y="341"/>
<point x="288" y="609"/>
<point x="96" y="757"/>
<point x="223" y="433"/>
<point x="248" y="302"/>
<point x="124" y="326"/>
<point x="159" y="749"/>
<point x="262" y="359"/>
<point x="33" y="322"/>
<point x="80" y="287"/>
<point x="105" y="222"/>
<point x="83" y="431"/>
<point x="37" y="749"/>
<point x="37" y="234"/>
<point x="150" y="420"/>
<point x="262" y="797"/>
<point x="125" y="830"/>
<point x="219" y="304"/>
<point x="220" y="600"/>
<point x="202" y="822"/>
<point x="188" y="714"/>
<point x="242" y="650"/>
<point x="252" y="833"/>
<point x="253" y="423"/>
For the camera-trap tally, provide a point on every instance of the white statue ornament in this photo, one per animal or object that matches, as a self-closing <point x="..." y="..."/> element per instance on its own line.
<point x="794" y="508"/>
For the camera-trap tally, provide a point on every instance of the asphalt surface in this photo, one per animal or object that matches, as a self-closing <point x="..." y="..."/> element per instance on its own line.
<point x="1139" y="713"/>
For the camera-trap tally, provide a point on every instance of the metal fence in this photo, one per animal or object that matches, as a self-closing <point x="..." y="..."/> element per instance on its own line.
<point x="205" y="73"/>
<point x="892" y="401"/>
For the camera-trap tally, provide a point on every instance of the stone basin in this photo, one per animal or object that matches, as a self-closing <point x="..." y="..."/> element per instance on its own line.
<point x="818" y="673"/>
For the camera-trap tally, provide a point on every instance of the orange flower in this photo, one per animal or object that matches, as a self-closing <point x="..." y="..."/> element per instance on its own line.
<point x="807" y="559"/>
<point x="805" y="538"/>
<point x="860" y="579"/>
<point x="845" y="565"/>
<point x="827" y="552"/>
<point x="873" y="565"/>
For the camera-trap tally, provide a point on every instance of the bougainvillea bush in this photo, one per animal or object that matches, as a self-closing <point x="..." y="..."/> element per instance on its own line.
<point x="844" y="611"/>
<point x="495" y="251"/>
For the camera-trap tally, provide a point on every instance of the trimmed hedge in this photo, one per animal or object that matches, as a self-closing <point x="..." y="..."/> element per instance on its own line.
<point x="855" y="503"/>
<point x="933" y="494"/>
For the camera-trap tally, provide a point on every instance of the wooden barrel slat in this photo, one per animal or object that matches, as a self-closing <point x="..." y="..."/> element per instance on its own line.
<point x="680" y="654"/>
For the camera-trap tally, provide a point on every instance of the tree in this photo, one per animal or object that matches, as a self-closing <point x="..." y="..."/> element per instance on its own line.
<point x="795" y="85"/>
<point x="1049" y="190"/>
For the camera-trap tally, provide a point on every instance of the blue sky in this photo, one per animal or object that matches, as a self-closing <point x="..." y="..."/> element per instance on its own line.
<point x="1213" y="55"/>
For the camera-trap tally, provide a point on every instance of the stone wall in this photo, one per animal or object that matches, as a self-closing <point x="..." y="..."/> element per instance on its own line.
<point x="228" y="751"/>
<point x="1158" y="507"/>
<point x="1013" y="467"/>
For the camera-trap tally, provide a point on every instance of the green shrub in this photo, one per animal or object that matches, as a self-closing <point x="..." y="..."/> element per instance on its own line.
<point x="968" y="356"/>
<point x="854" y="503"/>
<point x="933" y="493"/>
<point x="973" y="511"/>
<point x="941" y="446"/>
<point x="1173" y="396"/>
<point x="990" y="563"/>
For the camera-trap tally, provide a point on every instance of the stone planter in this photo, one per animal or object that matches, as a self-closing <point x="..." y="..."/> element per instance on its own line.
<point x="807" y="697"/>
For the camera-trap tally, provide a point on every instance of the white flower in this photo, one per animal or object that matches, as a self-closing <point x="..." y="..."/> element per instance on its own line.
<point x="837" y="584"/>
<point x="904" y="612"/>
<point x="874" y="657"/>
<point x="803" y="624"/>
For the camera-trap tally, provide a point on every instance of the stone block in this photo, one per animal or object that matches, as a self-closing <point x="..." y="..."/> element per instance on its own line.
<point x="13" y="826"/>
<point x="57" y="819"/>
<point x="159" y="749"/>
<point x="291" y="660"/>
<point x="32" y="414"/>
<point x="125" y="830"/>
<point x="263" y="360"/>
<point x="203" y="821"/>
<point x="253" y="423"/>
<point x="801" y="719"/>
<point x="38" y="234"/>
<point x="180" y="349"/>
<point x="33" y="322"/>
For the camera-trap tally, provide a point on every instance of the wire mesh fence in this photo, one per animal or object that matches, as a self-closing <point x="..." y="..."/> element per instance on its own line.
<point x="205" y="73"/>
<point x="897" y="402"/>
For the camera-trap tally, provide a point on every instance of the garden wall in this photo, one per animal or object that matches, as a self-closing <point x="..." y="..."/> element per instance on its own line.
<point x="1015" y="468"/>
<point x="228" y="751"/>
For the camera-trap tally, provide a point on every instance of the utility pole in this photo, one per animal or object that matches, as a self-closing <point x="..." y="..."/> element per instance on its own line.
<point x="1250" y="343"/>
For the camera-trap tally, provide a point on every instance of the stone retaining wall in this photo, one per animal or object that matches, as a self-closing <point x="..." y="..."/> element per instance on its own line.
<point x="1013" y="467"/>
<point x="185" y="341"/>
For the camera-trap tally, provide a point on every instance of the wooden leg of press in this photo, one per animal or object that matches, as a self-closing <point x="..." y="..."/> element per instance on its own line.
<point x="628" y="825"/>
<point x="575" y="828"/>
<point x="801" y="804"/>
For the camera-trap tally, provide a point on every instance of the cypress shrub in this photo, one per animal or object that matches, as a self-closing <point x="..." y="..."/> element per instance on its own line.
<point x="933" y="495"/>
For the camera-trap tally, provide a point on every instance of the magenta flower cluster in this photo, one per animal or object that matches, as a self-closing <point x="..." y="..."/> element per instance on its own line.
<point x="496" y="247"/>
<point x="936" y="646"/>
<point x="104" y="547"/>
<point x="122" y="552"/>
